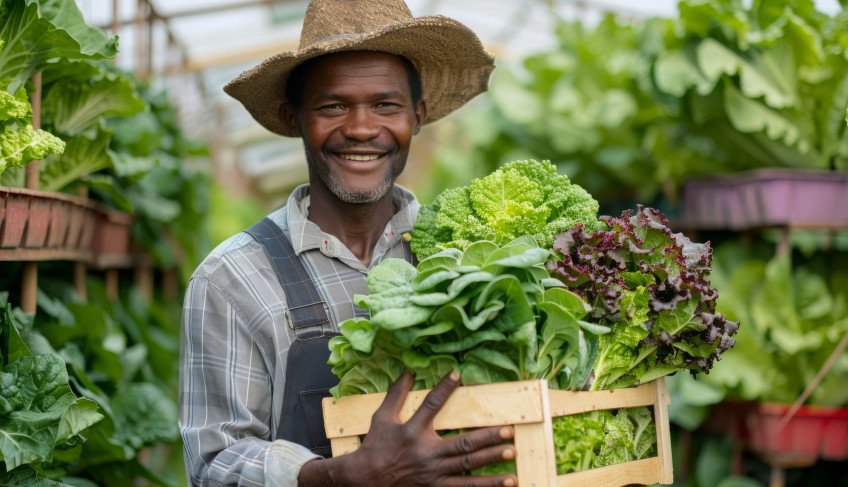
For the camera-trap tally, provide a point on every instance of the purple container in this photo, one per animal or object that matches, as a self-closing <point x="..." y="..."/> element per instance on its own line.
<point x="767" y="198"/>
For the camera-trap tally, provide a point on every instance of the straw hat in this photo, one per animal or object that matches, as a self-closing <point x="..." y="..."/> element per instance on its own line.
<point x="453" y="65"/>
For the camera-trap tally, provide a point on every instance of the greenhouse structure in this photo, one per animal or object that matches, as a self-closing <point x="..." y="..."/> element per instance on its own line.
<point x="625" y="252"/>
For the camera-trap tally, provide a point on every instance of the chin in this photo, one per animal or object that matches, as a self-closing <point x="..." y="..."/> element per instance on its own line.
<point x="360" y="196"/>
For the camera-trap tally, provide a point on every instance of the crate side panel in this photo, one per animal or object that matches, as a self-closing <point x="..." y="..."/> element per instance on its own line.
<point x="640" y="472"/>
<point x="468" y="407"/>
<point x="566" y="403"/>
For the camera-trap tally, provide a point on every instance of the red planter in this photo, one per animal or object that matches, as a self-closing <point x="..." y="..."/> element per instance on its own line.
<point x="41" y="225"/>
<point x="767" y="197"/>
<point x="814" y="431"/>
<point x="112" y="232"/>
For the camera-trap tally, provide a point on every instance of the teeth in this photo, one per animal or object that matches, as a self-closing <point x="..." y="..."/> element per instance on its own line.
<point x="360" y="157"/>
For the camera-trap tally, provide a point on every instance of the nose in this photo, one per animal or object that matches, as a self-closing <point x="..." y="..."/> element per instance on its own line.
<point x="361" y="124"/>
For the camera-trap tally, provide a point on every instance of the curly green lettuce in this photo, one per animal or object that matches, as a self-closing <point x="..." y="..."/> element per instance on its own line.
<point x="521" y="198"/>
<point x="19" y="141"/>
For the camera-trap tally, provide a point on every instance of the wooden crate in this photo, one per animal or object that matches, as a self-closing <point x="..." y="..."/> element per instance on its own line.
<point x="529" y="407"/>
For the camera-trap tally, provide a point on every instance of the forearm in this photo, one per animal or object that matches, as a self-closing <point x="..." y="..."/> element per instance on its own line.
<point x="329" y="472"/>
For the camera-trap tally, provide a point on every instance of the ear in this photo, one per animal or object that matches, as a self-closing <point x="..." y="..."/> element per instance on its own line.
<point x="288" y="115"/>
<point x="420" y="116"/>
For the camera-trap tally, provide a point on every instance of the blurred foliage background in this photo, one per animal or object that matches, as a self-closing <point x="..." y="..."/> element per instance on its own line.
<point x="630" y="109"/>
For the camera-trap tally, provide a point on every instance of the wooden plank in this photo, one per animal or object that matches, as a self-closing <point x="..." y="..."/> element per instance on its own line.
<point x="469" y="407"/>
<point x="343" y="446"/>
<point x="21" y="254"/>
<point x="535" y="461"/>
<point x="644" y="472"/>
<point x="566" y="403"/>
<point x="661" y="401"/>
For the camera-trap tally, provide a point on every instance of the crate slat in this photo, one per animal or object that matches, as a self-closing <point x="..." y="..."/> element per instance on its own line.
<point x="469" y="407"/>
<point x="644" y="472"/>
<point x="566" y="403"/>
<point x="661" y="401"/>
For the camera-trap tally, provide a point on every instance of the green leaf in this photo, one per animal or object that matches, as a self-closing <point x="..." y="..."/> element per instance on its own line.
<point x="677" y="72"/>
<point x="395" y="318"/>
<point x="82" y="156"/>
<point x="468" y="342"/>
<point x="73" y="108"/>
<point x="749" y="116"/>
<point x="144" y="414"/>
<point x="477" y="253"/>
<point x="389" y="274"/>
<point x="36" y="32"/>
<point x="776" y="84"/>
<point x="35" y="400"/>
<point x="360" y="333"/>
<point x="12" y="347"/>
<point x="569" y="301"/>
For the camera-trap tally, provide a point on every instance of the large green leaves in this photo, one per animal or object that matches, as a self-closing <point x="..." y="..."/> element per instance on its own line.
<point x="38" y="411"/>
<point x="36" y="32"/>
<point x="476" y="311"/>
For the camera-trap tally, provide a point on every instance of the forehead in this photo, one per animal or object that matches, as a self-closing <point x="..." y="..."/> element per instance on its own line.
<point x="356" y="69"/>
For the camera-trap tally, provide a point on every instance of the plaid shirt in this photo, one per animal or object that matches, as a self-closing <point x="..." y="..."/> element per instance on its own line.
<point x="235" y="341"/>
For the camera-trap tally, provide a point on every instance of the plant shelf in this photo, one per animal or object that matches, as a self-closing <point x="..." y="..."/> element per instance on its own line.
<point x="42" y="225"/>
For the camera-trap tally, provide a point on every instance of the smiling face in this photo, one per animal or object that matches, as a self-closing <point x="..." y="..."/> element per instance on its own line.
<point x="357" y="118"/>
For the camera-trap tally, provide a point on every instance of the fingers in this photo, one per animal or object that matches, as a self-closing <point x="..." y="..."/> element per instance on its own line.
<point x="395" y="397"/>
<point x="436" y="398"/>
<point x="480" y="438"/>
<point x="470" y="451"/>
<point x="482" y="481"/>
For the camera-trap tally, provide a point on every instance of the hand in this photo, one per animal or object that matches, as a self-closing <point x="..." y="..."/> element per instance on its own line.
<point x="412" y="453"/>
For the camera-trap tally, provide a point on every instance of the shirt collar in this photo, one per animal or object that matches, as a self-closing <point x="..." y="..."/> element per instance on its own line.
<point x="306" y="235"/>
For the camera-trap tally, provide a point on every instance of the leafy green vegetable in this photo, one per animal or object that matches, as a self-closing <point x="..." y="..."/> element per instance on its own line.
<point x="82" y="156"/>
<point x="650" y="287"/>
<point x="601" y="438"/>
<point x="39" y="413"/>
<point x="79" y="98"/>
<point x="767" y="84"/>
<point x="797" y="312"/>
<point x="35" y="32"/>
<point x="19" y="141"/>
<point x="476" y="311"/>
<point x="521" y="198"/>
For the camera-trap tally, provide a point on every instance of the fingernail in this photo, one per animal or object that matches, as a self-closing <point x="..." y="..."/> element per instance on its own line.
<point x="505" y="433"/>
<point x="454" y="375"/>
<point x="509" y="482"/>
<point x="508" y="454"/>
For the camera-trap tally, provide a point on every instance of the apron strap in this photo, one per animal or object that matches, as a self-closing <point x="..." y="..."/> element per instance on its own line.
<point x="305" y="307"/>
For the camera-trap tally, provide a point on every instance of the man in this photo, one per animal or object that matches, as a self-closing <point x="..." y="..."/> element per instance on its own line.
<point x="259" y="310"/>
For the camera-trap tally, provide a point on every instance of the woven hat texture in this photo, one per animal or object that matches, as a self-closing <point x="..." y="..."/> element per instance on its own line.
<point x="450" y="59"/>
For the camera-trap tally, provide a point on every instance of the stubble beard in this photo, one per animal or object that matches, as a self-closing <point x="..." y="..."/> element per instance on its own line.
<point x="331" y="181"/>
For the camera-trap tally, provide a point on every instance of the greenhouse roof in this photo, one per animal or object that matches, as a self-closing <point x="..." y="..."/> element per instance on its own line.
<point x="194" y="47"/>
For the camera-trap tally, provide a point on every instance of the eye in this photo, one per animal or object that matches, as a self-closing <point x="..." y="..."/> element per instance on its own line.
<point x="387" y="107"/>
<point x="332" y="108"/>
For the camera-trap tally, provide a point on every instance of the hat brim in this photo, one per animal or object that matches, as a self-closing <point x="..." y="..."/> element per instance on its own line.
<point x="450" y="59"/>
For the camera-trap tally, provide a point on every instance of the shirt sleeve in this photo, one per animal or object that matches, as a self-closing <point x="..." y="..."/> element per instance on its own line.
<point x="225" y="399"/>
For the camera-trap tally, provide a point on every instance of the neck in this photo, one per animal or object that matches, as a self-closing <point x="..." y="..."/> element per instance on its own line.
<point x="358" y="226"/>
